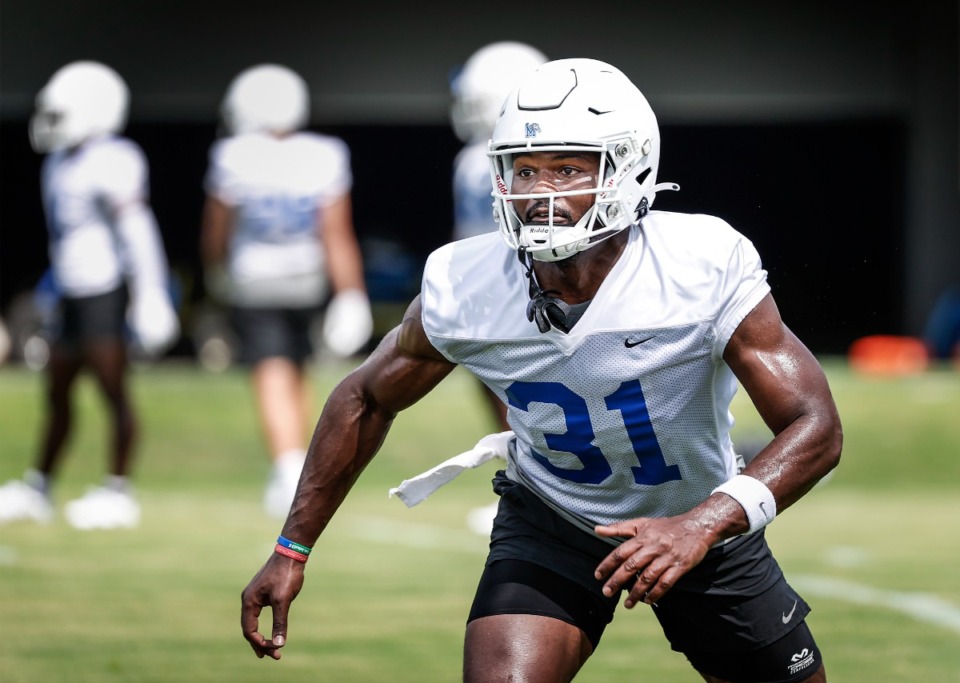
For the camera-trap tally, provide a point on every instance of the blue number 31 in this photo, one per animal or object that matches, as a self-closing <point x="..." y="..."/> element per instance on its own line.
<point x="578" y="439"/>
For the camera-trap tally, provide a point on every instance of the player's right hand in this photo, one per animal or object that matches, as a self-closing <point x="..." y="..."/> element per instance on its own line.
<point x="348" y="323"/>
<point x="276" y="585"/>
<point x="154" y="322"/>
<point x="657" y="552"/>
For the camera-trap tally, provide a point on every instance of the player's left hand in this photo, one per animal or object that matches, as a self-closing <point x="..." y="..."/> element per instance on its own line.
<point x="657" y="552"/>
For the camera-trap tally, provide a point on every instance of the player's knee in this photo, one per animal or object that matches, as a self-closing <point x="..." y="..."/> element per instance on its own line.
<point x="523" y="648"/>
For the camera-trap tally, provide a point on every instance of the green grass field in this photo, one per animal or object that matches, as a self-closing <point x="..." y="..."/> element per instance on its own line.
<point x="875" y="550"/>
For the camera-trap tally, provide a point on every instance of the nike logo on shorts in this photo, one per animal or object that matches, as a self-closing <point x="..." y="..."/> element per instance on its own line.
<point x="789" y="615"/>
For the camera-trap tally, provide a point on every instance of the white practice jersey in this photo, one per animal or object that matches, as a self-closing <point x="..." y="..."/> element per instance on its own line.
<point x="83" y="191"/>
<point x="628" y="414"/>
<point x="277" y="188"/>
<point x="472" y="192"/>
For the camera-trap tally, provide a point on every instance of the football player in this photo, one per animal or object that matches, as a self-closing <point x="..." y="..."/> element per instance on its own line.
<point x="616" y="335"/>
<point x="110" y="271"/>
<point x="278" y="236"/>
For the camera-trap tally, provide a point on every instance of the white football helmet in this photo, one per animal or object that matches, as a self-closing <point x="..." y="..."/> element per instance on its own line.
<point x="267" y="98"/>
<point x="81" y="100"/>
<point x="579" y="105"/>
<point x="485" y="80"/>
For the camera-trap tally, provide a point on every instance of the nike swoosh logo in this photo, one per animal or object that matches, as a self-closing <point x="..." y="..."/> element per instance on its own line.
<point x="787" y="617"/>
<point x="630" y="343"/>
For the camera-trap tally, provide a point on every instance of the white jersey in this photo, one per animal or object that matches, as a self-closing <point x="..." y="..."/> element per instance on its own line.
<point x="83" y="191"/>
<point x="472" y="192"/>
<point x="277" y="188"/>
<point x="628" y="414"/>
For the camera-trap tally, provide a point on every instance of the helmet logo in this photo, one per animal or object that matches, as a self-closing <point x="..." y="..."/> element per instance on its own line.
<point x="531" y="129"/>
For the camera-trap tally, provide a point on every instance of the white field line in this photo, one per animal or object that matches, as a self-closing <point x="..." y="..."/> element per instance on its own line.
<point x="924" y="607"/>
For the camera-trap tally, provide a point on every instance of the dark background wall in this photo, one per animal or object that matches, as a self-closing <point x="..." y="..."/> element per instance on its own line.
<point x="827" y="132"/>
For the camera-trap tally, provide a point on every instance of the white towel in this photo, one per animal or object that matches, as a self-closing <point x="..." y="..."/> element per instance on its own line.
<point x="416" y="490"/>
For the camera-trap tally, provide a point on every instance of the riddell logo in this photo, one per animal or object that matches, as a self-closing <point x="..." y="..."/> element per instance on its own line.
<point x="501" y="186"/>
<point x="801" y="661"/>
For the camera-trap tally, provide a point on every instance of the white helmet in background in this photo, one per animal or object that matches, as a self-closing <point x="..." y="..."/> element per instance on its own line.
<point x="485" y="80"/>
<point x="82" y="100"/>
<point x="267" y="98"/>
<point x="579" y="105"/>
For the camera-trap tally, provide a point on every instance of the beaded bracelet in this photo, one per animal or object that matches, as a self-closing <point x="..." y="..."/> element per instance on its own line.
<point x="293" y="545"/>
<point x="292" y="554"/>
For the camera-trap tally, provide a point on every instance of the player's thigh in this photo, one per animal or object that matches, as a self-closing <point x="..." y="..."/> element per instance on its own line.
<point x="83" y="320"/>
<point x="794" y="658"/>
<point x="523" y="647"/>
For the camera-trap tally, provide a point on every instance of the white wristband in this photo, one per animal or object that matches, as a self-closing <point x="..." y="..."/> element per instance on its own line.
<point x="754" y="497"/>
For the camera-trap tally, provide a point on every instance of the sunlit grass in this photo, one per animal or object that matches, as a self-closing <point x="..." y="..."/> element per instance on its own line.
<point x="388" y="588"/>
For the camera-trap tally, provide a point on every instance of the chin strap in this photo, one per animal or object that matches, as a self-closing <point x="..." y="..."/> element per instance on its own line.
<point x="643" y="209"/>
<point x="544" y="308"/>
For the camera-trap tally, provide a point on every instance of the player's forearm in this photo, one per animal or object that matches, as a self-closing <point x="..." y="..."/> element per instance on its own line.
<point x="345" y="263"/>
<point x="214" y="232"/>
<point x="356" y="419"/>
<point x="800" y="455"/>
<point x="349" y="433"/>
<point x="346" y="269"/>
<point x="344" y="257"/>
<point x="147" y="265"/>
<point x="791" y="394"/>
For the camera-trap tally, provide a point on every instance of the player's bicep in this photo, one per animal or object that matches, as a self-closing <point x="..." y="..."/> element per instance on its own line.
<point x="782" y="377"/>
<point x="405" y="367"/>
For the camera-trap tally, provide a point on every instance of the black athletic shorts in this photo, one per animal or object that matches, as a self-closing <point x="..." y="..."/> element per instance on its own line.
<point x="273" y="333"/>
<point x="91" y="318"/>
<point x="731" y="614"/>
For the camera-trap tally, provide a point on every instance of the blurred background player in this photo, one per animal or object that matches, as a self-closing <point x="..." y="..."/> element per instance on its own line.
<point x="478" y="91"/>
<point x="111" y="275"/>
<point x="277" y="243"/>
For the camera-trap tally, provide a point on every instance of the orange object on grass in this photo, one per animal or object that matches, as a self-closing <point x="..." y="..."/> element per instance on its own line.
<point x="884" y="354"/>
